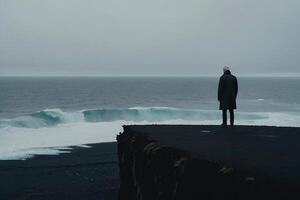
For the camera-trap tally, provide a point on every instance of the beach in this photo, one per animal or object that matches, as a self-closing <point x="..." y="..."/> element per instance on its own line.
<point x="188" y="161"/>
<point x="48" y="115"/>
<point x="85" y="173"/>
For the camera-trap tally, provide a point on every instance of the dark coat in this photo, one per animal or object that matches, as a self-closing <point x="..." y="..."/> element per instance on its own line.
<point x="227" y="91"/>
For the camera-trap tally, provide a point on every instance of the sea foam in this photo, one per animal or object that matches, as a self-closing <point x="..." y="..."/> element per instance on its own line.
<point x="54" y="117"/>
<point x="51" y="131"/>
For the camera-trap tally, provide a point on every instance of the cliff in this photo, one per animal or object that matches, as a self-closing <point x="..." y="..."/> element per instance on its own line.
<point x="176" y="162"/>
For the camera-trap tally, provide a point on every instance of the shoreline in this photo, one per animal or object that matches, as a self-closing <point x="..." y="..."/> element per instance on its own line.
<point x="84" y="173"/>
<point x="263" y="155"/>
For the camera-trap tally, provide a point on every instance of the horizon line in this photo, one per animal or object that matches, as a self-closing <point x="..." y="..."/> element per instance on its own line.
<point x="275" y="75"/>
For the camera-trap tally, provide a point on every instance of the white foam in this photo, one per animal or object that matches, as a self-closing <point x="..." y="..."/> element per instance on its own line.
<point x="14" y="141"/>
<point x="153" y="107"/>
<point x="22" y="143"/>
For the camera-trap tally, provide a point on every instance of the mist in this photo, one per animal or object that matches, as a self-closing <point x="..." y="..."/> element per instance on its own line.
<point x="158" y="37"/>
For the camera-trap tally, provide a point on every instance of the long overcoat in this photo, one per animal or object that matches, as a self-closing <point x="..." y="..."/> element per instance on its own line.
<point x="227" y="91"/>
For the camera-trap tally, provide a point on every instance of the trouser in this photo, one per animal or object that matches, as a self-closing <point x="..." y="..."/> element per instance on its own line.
<point x="225" y="116"/>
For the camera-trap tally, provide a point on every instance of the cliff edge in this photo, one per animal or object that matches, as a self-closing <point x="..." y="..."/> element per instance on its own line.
<point x="190" y="162"/>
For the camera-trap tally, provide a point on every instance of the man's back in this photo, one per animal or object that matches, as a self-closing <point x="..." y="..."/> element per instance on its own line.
<point x="228" y="88"/>
<point x="227" y="93"/>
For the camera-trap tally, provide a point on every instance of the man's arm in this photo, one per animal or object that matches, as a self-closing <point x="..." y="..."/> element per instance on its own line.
<point x="236" y="87"/>
<point x="220" y="89"/>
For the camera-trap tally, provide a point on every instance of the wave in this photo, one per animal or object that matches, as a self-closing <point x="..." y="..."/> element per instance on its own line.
<point x="53" y="117"/>
<point x="48" y="131"/>
<point x="45" y="118"/>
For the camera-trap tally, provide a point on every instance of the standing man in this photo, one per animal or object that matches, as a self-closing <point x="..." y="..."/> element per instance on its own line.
<point x="227" y="93"/>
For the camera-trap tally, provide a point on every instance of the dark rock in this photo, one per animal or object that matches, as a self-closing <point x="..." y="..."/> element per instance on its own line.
<point x="153" y="168"/>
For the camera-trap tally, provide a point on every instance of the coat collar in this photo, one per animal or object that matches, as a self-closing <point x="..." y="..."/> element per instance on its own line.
<point x="227" y="72"/>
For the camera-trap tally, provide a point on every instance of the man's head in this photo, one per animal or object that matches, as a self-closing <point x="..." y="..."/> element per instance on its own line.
<point x="226" y="68"/>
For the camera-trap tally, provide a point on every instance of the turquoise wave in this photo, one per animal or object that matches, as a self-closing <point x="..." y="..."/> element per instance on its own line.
<point x="47" y="118"/>
<point x="38" y="119"/>
<point x="154" y="114"/>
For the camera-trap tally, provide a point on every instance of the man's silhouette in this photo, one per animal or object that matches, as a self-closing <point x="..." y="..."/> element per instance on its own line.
<point x="227" y="93"/>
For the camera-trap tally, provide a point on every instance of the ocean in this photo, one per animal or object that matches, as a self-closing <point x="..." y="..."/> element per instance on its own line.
<point x="50" y="115"/>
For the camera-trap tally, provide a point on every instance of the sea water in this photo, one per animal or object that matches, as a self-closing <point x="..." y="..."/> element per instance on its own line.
<point x="48" y="115"/>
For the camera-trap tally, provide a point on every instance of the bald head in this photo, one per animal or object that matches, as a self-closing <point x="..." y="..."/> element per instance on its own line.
<point x="226" y="68"/>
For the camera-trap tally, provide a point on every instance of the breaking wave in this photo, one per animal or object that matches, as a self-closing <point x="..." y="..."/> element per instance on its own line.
<point x="52" y="117"/>
<point x="50" y="131"/>
<point x="45" y="118"/>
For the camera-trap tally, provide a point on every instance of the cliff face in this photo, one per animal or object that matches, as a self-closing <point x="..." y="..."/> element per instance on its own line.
<point x="149" y="170"/>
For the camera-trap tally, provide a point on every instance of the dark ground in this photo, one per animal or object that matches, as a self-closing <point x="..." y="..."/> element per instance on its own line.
<point x="85" y="174"/>
<point x="192" y="162"/>
<point x="265" y="150"/>
<point x="93" y="173"/>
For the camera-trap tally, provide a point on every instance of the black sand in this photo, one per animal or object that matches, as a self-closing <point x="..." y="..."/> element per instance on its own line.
<point x="93" y="173"/>
<point x="86" y="173"/>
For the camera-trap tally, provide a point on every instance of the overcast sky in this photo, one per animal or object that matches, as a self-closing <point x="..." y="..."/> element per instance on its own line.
<point x="149" y="37"/>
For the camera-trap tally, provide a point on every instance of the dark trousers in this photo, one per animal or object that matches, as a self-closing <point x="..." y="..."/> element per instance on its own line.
<point x="225" y="116"/>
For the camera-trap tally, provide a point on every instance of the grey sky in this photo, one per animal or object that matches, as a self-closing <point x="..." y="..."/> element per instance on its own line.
<point x="157" y="37"/>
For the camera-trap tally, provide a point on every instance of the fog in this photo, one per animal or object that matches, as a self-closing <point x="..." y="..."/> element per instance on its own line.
<point x="157" y="37"/>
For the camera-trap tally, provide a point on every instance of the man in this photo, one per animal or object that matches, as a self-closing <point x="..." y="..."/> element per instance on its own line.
<point x="227" y="93"/>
